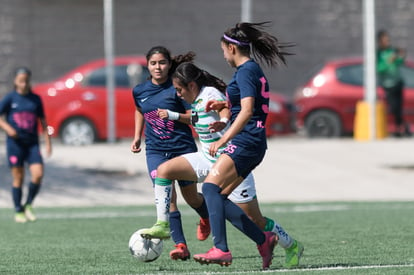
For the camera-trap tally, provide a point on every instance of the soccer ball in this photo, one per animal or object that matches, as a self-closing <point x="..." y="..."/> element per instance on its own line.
<point x="145" y="250"/>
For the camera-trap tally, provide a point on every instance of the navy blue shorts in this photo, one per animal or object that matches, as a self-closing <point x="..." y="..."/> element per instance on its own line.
<point x="155" y="159"/>
<point x="245" y="160"/>
<point x="18" y="153"/>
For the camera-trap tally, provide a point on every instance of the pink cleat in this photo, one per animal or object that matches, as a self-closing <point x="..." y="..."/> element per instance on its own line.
<point x="203" y="229"/>
<point x="266" y="249"/>
<point x="214" y="256"/>
<point x="180" y="252"/>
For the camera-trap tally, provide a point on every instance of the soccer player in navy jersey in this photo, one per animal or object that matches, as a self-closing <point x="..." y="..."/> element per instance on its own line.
<point x="167" y="135"/>
<point x="248" y="95"/>
<point x="22" y="110"/>
<point x="198" y="87"/>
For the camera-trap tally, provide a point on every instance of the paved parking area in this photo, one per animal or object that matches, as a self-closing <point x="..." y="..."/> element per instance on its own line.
<point x="295" y="169"/>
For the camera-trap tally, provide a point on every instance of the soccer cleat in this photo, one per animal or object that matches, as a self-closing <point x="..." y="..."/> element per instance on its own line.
<point x="160" y="230"/>
<point x="293" y="254"/>
<point x="203" y="229"/>
<point x="266" y="249"/>
<point x="20" y="217"/>
<point x="28" y="211"/>
<point x="214" y="256"/>
<point x="180" y="252"/>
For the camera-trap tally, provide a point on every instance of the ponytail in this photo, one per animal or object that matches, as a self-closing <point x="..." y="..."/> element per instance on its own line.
<point x="179" y="59"/>
<point x="265" y="47"/>
<point x="187" y="72"/>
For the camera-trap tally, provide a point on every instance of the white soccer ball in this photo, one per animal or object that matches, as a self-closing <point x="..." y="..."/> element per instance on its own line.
<point x="145" y="250"/>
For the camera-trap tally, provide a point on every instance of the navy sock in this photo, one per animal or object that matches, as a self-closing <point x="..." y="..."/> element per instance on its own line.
<point x="202" y="210"/>
<point x="216" y="213"/>
<point x="241" y="221"/>
<point x="17" y="198"/>
<point x="33" y="190"/>
<point x="176" y="228"/>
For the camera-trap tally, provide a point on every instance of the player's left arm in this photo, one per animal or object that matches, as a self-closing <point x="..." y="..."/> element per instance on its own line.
<point x="48" y="139"/>
<point x="42" y="118"/>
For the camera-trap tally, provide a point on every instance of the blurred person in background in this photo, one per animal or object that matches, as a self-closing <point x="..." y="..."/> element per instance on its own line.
<point x="23" y="110"/>
<point x="389" y="61"/>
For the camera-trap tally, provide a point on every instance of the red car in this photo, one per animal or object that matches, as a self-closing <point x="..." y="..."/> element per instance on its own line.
<point x="325" y="105"/>
<point x="76" y="103"/>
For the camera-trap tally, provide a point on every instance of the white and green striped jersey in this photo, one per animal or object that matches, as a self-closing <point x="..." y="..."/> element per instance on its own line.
<point x="200" y="119"/>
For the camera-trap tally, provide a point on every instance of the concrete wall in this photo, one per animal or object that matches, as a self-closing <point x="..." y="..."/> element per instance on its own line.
<point x="54" y="36"/>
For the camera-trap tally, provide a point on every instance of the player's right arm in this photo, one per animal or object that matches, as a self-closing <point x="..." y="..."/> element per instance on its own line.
<point x="10" y="131"/>
<point x="4" y="108"/>
<point x="139" y="128"/>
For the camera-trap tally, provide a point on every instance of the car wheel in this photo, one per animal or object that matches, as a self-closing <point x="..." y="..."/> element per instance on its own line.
<point x="323" y="123"/>
<point x="78" y="131"/>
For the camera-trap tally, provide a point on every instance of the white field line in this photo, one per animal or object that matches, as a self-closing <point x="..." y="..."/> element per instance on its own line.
<point x="327" y="268"/>
<point x="186" y="212"/>
<point x="82" y="214"/>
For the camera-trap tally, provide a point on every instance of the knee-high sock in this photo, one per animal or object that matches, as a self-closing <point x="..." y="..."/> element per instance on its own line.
<point x="285" y="240"/>
<point x="202" y="210"/>
<point x="17" y="198"/>
<point x="162" y="191"/>
<point x="33" y="190"/>
<point x="176" y="228"/>
<point x="241" y="221"/>
<point x="215" y="206"/>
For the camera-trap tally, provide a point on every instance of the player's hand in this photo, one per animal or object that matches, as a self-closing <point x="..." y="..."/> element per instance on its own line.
<point x="136" y="146"/>
<point x="216" y="126"/>
<point x="48" y="150"/>
<point x="214" y="147"/>
<point x="216" y="105"/>
<point x="11" y="132"/>
<point x="162" y="113"/>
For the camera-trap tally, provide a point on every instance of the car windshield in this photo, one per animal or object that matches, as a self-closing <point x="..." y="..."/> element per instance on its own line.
<point x="351" y="74"/>
<point x="354" y="75"/>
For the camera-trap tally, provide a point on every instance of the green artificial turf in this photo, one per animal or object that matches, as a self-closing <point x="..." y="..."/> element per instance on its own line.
<point x="339" y="238"/>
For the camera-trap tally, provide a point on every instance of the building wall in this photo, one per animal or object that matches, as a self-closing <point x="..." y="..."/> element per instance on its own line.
<point x="54" y="36"/>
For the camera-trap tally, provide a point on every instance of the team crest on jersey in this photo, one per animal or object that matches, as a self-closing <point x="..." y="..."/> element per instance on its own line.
<point x="198" y="104"/>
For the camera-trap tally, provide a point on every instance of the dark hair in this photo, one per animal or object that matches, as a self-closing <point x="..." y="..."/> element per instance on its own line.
<point x="264" y="46"/>
<point x="380" y="34"/>
<point x="22" y="70"/>
<point x="175" y="61"/>
<point x="187" y="72"/>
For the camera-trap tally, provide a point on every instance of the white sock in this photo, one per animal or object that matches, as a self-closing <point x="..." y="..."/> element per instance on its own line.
<point x="162" y="201"/>
<point x="285" y="240"/>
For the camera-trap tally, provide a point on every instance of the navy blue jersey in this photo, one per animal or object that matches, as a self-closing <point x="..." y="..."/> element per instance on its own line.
<point x="163" y="135"/>
<point x="249" y="81"/>
<point x="22" y="113"/>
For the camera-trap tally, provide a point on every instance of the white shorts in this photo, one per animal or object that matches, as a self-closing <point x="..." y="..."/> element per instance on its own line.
<point x="243" y="193"/>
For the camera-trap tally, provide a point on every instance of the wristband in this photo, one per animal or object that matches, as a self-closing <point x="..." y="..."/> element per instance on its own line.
<point x="173" y="115"/>
<point x="224" y="119"/>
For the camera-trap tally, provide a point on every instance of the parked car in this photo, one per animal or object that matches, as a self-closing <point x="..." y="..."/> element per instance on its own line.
<point x="76" y="103"/>
<point x="325" y="105"/>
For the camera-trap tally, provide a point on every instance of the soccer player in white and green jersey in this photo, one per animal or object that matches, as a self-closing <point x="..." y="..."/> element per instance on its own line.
<point x="199" y="87"/>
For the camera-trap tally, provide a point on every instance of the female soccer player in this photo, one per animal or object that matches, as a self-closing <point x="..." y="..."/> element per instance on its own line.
<point x="23" y="110"/>
<point x="199" y="87"/>
<point x="167" y="135"/>
<point x="248" y="94"/>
